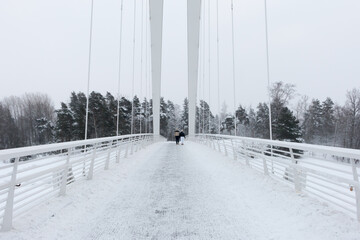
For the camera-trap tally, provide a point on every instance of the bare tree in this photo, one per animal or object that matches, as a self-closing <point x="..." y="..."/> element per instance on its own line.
<point x="32" y="113"/>
<point x="282" y="92"/>
<point x="301" y="108"/>
<point x="352" y="111"/>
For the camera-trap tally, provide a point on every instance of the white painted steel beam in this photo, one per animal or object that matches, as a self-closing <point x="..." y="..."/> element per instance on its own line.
<point x="156" y="24"/>
<point x="193" y="30"/>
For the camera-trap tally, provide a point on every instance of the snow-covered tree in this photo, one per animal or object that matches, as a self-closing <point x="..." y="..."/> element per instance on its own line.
<point x="64" y="124"/>
<point x="312" y="125"/>
<point x="262" y="121"/>
<point x="78" y="108"/>
<point x="328" y="120"/>
<point x="9" y="132"/>
<point x="185" y="116"/>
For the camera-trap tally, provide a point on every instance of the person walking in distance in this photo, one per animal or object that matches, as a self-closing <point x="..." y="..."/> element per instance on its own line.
<point x="182" y="137"/>
<point x="177" y="136"/>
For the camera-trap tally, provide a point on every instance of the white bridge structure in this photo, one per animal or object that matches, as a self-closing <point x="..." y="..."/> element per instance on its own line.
<point x="31" y="177"/>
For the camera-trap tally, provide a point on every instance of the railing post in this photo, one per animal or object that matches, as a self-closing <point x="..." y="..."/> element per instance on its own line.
<point x="91" y="169"/>
<point x="217" y="141"/>
<point x="65" y="175"/>
<point x="225" y="149"/>
<point x="84" y="162"/>
<point x="266" y="170"/>
<point x="357" y="190"/>
<point x="143" y="141"/>
<point x="146" y="141"/>
<point x="296" y="175"/>
<point x="213" y="144"/>
<point x="132" y="147"/>
<point x="234" y="151"/>
<point x="137" y="145"/>
<point x="9" y="208"/>
<point x="107" y="162"/>
<point x="245" y="153"/>
<point x="118" y="151"/>
<point x="126" y="150"/>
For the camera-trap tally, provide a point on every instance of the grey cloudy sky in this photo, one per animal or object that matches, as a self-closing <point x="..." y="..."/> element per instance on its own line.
<point x="314" y="44"/>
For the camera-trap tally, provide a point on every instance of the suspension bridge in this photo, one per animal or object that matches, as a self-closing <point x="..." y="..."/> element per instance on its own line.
<point x="139" y="186"/>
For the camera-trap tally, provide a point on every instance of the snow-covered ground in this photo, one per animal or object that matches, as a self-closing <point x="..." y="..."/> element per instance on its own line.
<point x="183" y="192"/>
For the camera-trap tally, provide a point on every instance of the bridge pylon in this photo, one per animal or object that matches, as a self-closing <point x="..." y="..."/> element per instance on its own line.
<point x="156" y="26"/>
<point x="193" y="30"/>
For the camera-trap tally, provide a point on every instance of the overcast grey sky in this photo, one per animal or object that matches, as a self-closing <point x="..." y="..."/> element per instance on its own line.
<point x="313" y="44"/>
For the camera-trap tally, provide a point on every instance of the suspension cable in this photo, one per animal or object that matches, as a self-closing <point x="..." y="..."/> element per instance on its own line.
<point x="89" y="68"/>
<point x="203" y="79"/>
<point x="233" y="60"/>
<point x="141" y="60"/>
<point x="133" y="73"/>
<point x="199" y="90"/>
<point x="218" y="61"/>
<point x="268" y="69"/>
<point x="201" y="67"/>
<point x="146" y="66"/>
<point x="150" y="81"/>
<point x="209" y="48"/>
<point x="119" y="73"/>
<point x="200" y="72"/>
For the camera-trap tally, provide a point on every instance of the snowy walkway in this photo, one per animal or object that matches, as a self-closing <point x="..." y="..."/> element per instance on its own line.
<point x="183" y="192"/>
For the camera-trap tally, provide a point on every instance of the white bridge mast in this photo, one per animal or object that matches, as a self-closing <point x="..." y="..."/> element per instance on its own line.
<point x="156" y="25"/>
<point x="193" y="30"/>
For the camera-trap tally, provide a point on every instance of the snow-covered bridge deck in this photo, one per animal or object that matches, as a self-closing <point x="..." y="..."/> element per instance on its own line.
<point x="183" y="192"/>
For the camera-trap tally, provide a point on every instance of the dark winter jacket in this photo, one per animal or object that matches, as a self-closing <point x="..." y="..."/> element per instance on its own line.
<point x="182" y="134"/>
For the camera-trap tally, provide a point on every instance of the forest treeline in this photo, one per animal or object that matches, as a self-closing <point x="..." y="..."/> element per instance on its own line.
<point x="32" y="118"/>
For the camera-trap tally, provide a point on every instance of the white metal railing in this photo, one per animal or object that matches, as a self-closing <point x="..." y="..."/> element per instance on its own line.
<point x="31" y="175"/>
<point x="330" y="174"/>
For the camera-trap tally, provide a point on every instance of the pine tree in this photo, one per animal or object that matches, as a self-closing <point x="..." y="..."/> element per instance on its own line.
<point x="198" y="120"/>
<point x="287" y="127"/>
<point x="313" y="121"/>
<point x="111" y="104"/>
<point x="327" y="119"/>
<point x="251" y="129"/>
<point x="151" y="130"/>
<point x="242" y="120"/>
<point x="44" y="129"/>
<point x="124" y="116"/>
<point x="78" y="108"/>
<point x="136" y="112"/>
<point x="163" y="118"/>
<point x="185" y="116"/>
<point x="9" y="132"/>
<point x="146" y="107"/>
<point x="206" y="118"/>
<point x="98" y="115"/>
<point x="229" y="124"/>
<point x="242" y="116"/>
<point x="262" y="121"/>
<point x="64" y="124"/>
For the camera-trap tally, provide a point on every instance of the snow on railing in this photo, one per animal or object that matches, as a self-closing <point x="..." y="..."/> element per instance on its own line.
<point x="31" y="175"/>
<point x="330" y="174"/>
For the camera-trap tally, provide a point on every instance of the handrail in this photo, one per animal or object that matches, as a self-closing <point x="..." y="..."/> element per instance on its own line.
<point x="31" y="175"/>
<point x="346" y="152"/>
<point x="23" y="151"/>
<point x="330" y="174"/>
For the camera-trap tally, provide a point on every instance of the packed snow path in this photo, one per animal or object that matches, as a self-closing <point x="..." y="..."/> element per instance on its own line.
<point x="171" y="191"/>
